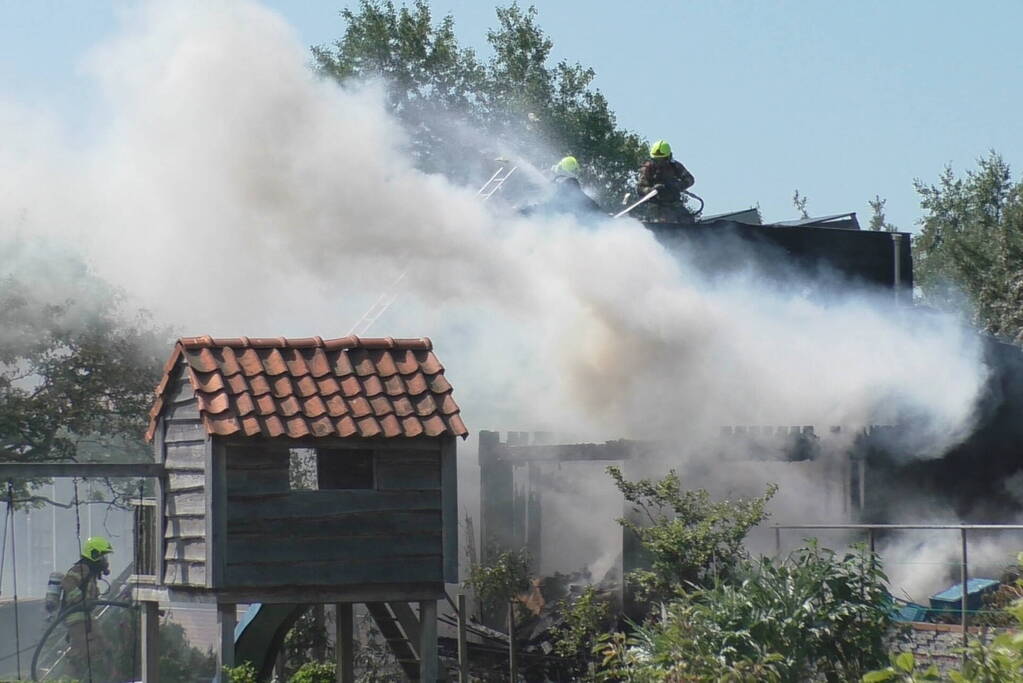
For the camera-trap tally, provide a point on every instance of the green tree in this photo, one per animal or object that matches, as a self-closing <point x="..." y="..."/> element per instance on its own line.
<point x="690" y="540"/>
<point x="77" y="371"/>
<point x="878" y="220"/>
<point x="462" y="112"/>
<point x="971" y="244"/>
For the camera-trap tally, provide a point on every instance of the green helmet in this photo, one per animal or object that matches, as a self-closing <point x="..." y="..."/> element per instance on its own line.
<point x="660" y="150"/>
<point x="568" y="166"/>
<point x="96" y="547"/>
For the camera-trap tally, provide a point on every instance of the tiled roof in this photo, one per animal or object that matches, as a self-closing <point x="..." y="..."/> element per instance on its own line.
<point x="311" y="387"/>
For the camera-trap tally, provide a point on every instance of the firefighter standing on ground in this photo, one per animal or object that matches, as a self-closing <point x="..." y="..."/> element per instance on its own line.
<point x="78" y="587"/>
<point x="670" y="178"/>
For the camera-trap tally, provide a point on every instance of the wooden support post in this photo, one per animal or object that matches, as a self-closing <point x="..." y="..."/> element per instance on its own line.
<point x="344" y="618"/>
<point x="226" y="618"/>
<point x="150" y="642"/>
<point x="463" y="645"/>
<point x="513" y="667"/>
<point x="429" y="665"/>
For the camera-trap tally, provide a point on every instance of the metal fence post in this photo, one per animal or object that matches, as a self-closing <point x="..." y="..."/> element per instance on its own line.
<point x="513" y="668"/>
<point x="463" y="645"/>
<point x="964" y="575"/>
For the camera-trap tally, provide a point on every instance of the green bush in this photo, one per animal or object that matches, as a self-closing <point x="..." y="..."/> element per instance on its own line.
<point x="314" y="672"/>
<point x="816" y="616"/>
<point x="243" y="673"/>
<point x="689" y="539"/>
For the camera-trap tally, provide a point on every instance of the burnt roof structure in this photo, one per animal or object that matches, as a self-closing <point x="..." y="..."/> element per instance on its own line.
<point x="310" y="387"/>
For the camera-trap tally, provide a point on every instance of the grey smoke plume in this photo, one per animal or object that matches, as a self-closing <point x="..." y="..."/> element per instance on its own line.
<point x="233" y="193"/>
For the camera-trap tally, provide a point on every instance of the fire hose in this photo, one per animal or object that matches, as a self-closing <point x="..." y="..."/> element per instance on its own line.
<point x="61" y="616"/>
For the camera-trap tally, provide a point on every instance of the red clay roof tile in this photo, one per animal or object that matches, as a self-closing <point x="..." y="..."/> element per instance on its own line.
<point x="342" y="364"/>
<point x="345" y="426"/>
<point x="428" y="362"/>
<point x="372" y="386"/>
<point x="403" y="406"/>
<point x="394" y="385"/>
<point x="327" y="386"/>
<point x="258" y="385"/>
<point x="384" y="362"/>
<point x="350" y="386"/>
<point x="207" y="382"/>
<point x="297" y="388"/>
<point x="411" y="425"/>
<point x="336" y="405"/>
<point x="250" y="363"/>
<point x="362" y="363"/>
<point x="237" y="384"/>
<point x="273" y="362"/>
<point x="405" y="361"/>
<point x="359" y="406"/>
<point x="243" y="404"/>
<point x="201" y="360"/>
<point x="381" y="405"/>
<point x="306" y="386"/>
<point x="214" y="403"/>
<point x="415" y="384"/>
<point x="317" y="362"/>
<point x="368" y="427"/>
<point x="390" y="426"/>
<point x="439" y="385"/>
<point x="296" y="362"/>
<point x="313" y="407"/>
<point x="433" y="425"/>
<point x="288" y="406"/>
<point x="226" y="360"/>
<point x="425" y="405"/>
<point x="281" y="386"/>
<point x="265" y="404"/>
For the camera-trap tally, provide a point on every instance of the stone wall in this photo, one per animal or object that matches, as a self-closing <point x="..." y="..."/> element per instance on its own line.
<point x="936" y="643"/>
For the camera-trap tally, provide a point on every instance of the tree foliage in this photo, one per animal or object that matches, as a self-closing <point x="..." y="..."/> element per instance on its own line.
<point x="462" y="112"/>
<point x="690" y="539"/>
<point x="77" y="370"/>
<point x="971" y="243"/>
<point x="815" y="616"/>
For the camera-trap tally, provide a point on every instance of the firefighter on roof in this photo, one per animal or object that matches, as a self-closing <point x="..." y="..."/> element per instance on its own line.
<point x="670" y="178"/>
<point x="79" y="588"/>
<point x="567" y="195"/>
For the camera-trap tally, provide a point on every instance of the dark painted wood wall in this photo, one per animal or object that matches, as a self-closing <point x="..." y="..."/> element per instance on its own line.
<point x="396" y="532"/>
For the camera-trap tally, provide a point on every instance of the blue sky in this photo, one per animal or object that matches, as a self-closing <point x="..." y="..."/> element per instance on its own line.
<point x="841" y="100"/>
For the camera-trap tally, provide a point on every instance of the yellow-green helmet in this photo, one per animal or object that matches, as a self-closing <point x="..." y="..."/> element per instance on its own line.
<point x="96" y="547"/>
<point x="660" y="150"/>
<point x="568" y="166"/>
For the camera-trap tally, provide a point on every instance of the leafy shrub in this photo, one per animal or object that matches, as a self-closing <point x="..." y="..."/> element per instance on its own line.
<point x="314" y="672"/>
<point x="814" y="616"/>
<point x="689" y="539"/>
<point x="243" y="673"/>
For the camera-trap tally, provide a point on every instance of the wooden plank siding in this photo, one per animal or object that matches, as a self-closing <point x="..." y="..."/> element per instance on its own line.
<point x="274" y="536"/>
<point x="183" y="450"/>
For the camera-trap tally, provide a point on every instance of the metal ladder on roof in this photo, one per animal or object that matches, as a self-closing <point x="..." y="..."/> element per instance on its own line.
<point x="496" y="181"/>
<point x="387" y="297"/>
<point x="382" y="303"/>
<point x="399" y="626"/>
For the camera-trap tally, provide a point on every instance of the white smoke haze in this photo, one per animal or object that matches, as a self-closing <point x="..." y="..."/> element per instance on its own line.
<point x="234" y="193"/>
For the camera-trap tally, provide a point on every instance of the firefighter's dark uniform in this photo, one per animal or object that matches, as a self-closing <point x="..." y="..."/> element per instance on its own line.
<point x="669" y="178"/>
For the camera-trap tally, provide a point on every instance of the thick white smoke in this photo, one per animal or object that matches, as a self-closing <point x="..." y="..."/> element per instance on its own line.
<point x="233" y="193"/>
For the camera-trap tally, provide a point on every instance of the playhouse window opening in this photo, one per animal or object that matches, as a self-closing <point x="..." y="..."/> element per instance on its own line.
<point x="345" y="469"/>
<point x="302" y="470"/>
